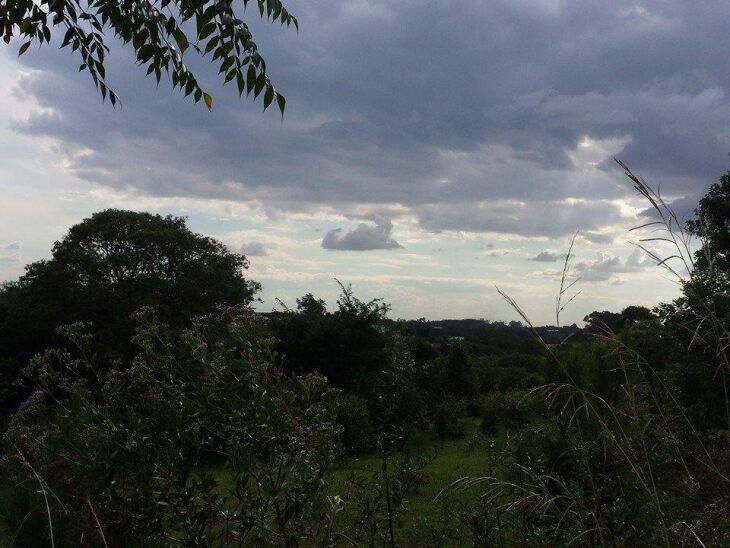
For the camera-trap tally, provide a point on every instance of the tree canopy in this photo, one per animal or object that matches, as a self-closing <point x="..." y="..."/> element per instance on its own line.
<point x="109" y="266"/>
<point x="605" y="322"/>
<point x="712" y="225"/>
<point x="159" y="31"/>
<point x="345" y="345"/>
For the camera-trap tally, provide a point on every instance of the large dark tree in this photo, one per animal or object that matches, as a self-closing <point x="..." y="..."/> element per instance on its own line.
<point x="159" y="32"/>
<point x="706" y="293"/>
<point x="604" y="323"/>
<point x="107" y="267"/>
<point x="347" y="345"/>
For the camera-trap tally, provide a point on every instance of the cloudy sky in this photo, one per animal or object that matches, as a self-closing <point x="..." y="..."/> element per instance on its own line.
<point x="430" y="150"/>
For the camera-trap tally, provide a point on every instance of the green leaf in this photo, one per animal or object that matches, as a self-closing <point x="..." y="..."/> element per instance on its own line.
<point x="281" y="102"/>
<point x="213" y="42"/>
<point x="268" y="96"/>
<point x="145" y="53"/>
<point x="206" y="31"/>
<point x="228" y="63"/>
<point x="209" y="13"/>
<point x="240" y="82"/>
<point x="140" y="38"/>
<point x="182" y="40"/>
<point x="208" y="101"/>
<point x="23" y="48"/>
<point x="250" y="78"/>
<point x="260" y="83"/>
<point x="189" y="87"/>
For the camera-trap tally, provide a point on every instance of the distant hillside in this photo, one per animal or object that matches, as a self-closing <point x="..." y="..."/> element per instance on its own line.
<point x="480" y="330"/>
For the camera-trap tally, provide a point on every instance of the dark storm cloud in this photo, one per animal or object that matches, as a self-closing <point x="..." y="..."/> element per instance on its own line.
<point x="363" y="238"/>
<point x="529" y="218"/>
<point x="441" y="108"/>
<point x="683" y="208"/>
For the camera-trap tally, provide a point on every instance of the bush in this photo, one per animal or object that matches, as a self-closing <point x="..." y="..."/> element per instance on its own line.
<point x="446" y="421"/>
<point x="353" y="416"/>
<point x="126" y="453"/>
<point x="510" y="372"/>
<point x="472" y="407"/>
<point x="502" y="411"/>
<point x="459" y="377"/>
<point x="397" y="406"/>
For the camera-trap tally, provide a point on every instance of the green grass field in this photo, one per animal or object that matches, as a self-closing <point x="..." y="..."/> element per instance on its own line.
<point x="433" y="514"/>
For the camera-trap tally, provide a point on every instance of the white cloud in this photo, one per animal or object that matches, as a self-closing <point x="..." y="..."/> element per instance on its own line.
<point x="365" y="237"/>
<point x="253" y="249"/>
<point x="605" y="266"/>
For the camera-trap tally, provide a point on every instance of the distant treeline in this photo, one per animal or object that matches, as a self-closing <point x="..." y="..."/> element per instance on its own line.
<point x="440" y="330"/>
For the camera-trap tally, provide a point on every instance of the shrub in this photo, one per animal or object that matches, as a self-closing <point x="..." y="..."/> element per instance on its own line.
<point x="353" y="416"/>
<point x="459" y="376"/>
<point x="501" y="411"/>
<point x="472" y="407"/>
<point x="123" y="456"/>
<point x="397" y="406"/>
<point x="446" y="421"/>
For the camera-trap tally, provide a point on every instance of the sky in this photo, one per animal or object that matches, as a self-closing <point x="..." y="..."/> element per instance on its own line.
<point x="430" y="151"/>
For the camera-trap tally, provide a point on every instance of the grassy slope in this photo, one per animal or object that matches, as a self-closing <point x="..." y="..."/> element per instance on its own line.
<point x="422" y="521"/>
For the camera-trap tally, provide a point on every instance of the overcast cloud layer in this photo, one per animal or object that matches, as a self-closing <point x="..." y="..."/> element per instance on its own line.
<point x="494" y="121"/>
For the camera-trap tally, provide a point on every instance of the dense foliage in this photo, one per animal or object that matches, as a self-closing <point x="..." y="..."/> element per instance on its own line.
<point x="103" y="270"/>
<point x="121" y="456"/>
<point x="712" y="226"/>
<point x="346" y="345"/>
